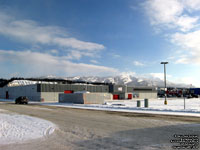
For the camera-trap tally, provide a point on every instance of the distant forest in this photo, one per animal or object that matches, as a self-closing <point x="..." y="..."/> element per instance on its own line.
<point x="4" y="82"/>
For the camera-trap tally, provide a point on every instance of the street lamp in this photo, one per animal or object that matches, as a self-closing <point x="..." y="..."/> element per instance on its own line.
<point x="164" y="63"/>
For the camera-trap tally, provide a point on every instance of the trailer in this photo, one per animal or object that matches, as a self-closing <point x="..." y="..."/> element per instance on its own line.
<point x="194" y="91"/>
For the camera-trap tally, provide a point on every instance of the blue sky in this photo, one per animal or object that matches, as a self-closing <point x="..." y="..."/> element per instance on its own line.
<point x="100" y="37"/>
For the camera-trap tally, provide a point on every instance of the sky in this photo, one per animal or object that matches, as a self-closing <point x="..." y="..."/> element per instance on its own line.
<point x="100" y="38"/>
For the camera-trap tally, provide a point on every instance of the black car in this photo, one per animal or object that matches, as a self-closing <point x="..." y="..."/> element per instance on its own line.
<point x="21" y="100"/>
<point x="194" y="95"/>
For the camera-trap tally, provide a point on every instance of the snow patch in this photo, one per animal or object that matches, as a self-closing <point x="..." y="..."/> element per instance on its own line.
<point x="16" y="128"/>
<point x="1" y="110"/>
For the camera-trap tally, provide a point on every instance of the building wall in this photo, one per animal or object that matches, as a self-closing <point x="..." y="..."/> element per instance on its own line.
<point x="146" y="94"/>
<point x="96" y="98"/>
<point x="73" y="87"/>
<point x="76" y="98"/>
<point x="117" y="88"/>
<point x="50" y="96"/>
<point x="2" y="93"/>
<point x="85" y="98"/>
<point x="122" y="95"/>
<point x="143" y="92"/>
<point x="28" y="90"/>
<point x="50" y="92"/>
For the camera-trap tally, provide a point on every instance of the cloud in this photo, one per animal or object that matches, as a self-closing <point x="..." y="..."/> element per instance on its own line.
<point x="177" y="80"/>
<point x="36" y="64"/>
<point x="74" y="54"/>
<point x="137" y="63"/>
<point x="179" y="18"/>
<point x="190" y="43"/>
<point x="187" y="80"/>
<point x="159" y="75"/>
<point x="171" y="14"/>
<point x="94" y="61"/>
<point x="77" y="44"/>
<point x="54" y="51"/>
<point x="114" y="55"/>
<point x="191" y="5"/>
<point x="29" y="31"/>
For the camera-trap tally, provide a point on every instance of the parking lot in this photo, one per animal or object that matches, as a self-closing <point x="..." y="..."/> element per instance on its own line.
<point x="90" y="129"/>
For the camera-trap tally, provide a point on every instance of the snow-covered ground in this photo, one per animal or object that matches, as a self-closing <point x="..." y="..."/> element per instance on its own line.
<point x="156" y="106"/>
<point x="15" y="128"/>
<point x="175" y="106"/>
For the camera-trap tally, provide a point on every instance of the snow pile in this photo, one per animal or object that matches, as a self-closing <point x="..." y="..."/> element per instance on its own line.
<point x="16" y="128"/>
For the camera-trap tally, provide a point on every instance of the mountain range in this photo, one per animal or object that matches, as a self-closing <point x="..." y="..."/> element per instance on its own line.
<point x="123" y="79"/>
<point x="129" y="80"/>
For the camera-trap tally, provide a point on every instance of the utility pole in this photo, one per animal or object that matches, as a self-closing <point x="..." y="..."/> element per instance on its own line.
<point x="164" y="63"/>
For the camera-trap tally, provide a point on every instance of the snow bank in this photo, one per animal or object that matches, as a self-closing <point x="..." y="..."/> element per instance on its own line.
<point x="16" y="128"/>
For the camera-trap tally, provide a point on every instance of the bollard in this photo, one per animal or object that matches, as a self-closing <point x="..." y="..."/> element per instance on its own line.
<point x="146" y="103"/>
<point x="184" y="102"/>
<point x="138" y="104"/>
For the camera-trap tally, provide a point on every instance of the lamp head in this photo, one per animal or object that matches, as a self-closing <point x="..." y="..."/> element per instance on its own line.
<point x="164" y="63"/>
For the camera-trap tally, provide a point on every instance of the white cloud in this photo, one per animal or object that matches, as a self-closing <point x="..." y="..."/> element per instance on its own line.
<point x="29" y="31"/>
<point x="163" y="11"/>
<point x="77" y="44"/>
<point x="186" y="23"/>
<point x="54" y="51"/>
<point x="128" y="74"/>
<point x="114" y="55"/>
<point x="190" y="43"/>
<point x="170" y="14"/>
<point x="182" y="16"/>
<point x="188" y="40"/>
<point x="187" y="80"/>
<point x="94" y="61"/>
<point x="137" y="63"/>
<point x="159" y="75"/>
<point x="36" y="64"/>
<point x="74" y="55"/>
<point x="191" y="4"/>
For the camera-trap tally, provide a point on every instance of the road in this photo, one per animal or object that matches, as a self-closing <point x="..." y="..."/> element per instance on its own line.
<point x="88" y="129"/>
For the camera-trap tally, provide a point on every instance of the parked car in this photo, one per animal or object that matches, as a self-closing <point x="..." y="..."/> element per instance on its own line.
<point x="21" y="100"/>
<point x="194" y="95"/>
<point x="161" y="95"/>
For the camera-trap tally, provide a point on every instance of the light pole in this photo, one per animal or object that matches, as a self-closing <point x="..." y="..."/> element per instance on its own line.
<point x="164" y="63"/>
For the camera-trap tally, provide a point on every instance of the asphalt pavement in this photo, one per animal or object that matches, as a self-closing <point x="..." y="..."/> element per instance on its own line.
<point x="91" y="129"/>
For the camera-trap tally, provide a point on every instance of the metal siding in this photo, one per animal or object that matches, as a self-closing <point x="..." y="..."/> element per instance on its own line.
<point x="89" y="89"/>
<point x="111" y="88"/>
<point x="82" y="88"/>
<point x="105" y="88"/>
<point x="38" y="87"/>
<point x="73" y="88"/>
<point x="130" y="89"/>
<point x="47" y="88"/>
<point x="41" y="88"/>
<point x="56" y="88"/>
<point x="51" y="88"/>
<point x="99" y="89"/>
<point x="116" y="88"/>
<point x="76" y="88"/>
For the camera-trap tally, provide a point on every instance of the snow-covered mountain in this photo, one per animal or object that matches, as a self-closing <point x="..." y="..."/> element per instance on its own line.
<point x="128" y="79"/>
